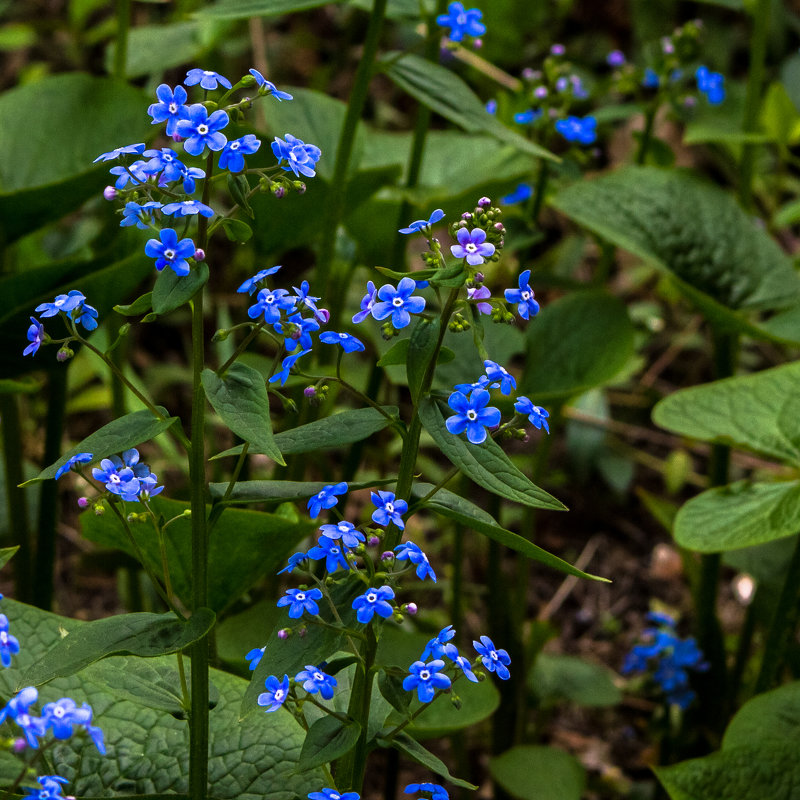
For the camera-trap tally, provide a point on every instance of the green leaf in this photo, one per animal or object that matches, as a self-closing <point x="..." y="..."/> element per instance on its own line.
<point x="240" y="398"/>
<point x="738" y="515"/>
<point x="391" y="687"/>
<point x="453" y="506"/>
<point x="324" y="434"/>
<point x="421" y="346"/>
<point x="736" y="5"/>
<point x="280" y="491"/>
<point x="10" y="386"/>
<point x="114" y="437"/>
<point x="236" y="230"/>
<point x="741" y="411"/>
<point x="328" y="739"/>
<point x="42" y="183"/>
<point x="779" y="115"/>
<point x="139" y="634"/>
<point x="758" y="756"/>
<point x="486" y="464"/>
<point x="415" y="751"/>
<point x="397" y="354"/>
<point x="142" y="305"/>
<point x="674" y="222"/>
<point x="171" y="291"/>
<point x="531" y="772"/>
<point x="244" y="546"/>
<point x="244" y="9"/>
<point x="239" y="187"/>
<point x="579" y="342"/>
<point x="148" y="750"/>
<point x="555" y="678"/>
<point x="6" y="554"/>
<point x="444" y="92"/>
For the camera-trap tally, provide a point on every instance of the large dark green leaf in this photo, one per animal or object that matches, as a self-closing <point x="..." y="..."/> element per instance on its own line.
<point x="421" y="345"/>
<point x="575" y="344"/>
<point x="139" y="634"/>
<point x="240" y="398"/>
<point x="328" y="739"/>
<point x="742" y="411"/>
<point x="739" y="515"/>
<point x="692" y="230"/>
<point x="148" y="747"/>
<point x="531" y="772"/>
<point x="245" y="9"/>
<point x="171" y="290"/>
<point x="555" y="678"/>
<point x="444" y="92"/>
<point x="244" y="546"/>
<point x="323" y="434"/>
<point x="486" y="463"/>
<point x="52" y="131"/>
<point x="114" y="437"/>
<point x="758" y="756"/>
<point x="416" y="752"/>
<point x="453" y="506"/>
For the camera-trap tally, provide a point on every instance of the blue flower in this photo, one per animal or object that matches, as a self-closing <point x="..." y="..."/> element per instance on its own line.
<point x="171" y="106"/>
<point x="301" y="158"/>
<point x="494" y="660"/>
<point x="424" y="225"/>
<point x="184" y="208"/>
<point x="201" y="130"/>
<point x="9" y="645"/>
<point x="505" y="380"/>
<point x="63" y="715"/>
<point x="435" y="791"/>
<point x="120" y="151"/>
<point x="17" y="710"/>
<point x="349" y="343"/>
<point x="139" y="215"/>
<point x="440" y="646"/>
<point x="295" y="560"/>
<point x="711" y="84"/>
<point x="309" y="301"/>
<point x="537" y="416"/>
<point x="208" y="79"/>
<point x="522" y="193"/>
<point x="374" y="601"/>
<point x="326" y="498"/>
<point x="254" y="656"/>
<point x="408" y="551"/>
<point x="86" y="315"/>
<point x="527" y="306"/>
<point x="426" y="679"/>
<point x="388" y="509"/>
<point x="315" y="680"/>
<point x="63" y="302"/>
<point x="660" y="618"/>
<point x="346" y="531"/>
<point x="463" y="664"/>
<point x="267" y="87"/>
<point x="616" y="58"/>
<point x="491" y="107"/>
<point x="166" y="162"/>
<point x="465" y="388"/>
<point x="232" y="155"/>
<point x="189" y="176"/>
<point x="270" y="303"/>
<point x="480" y="293"/>
<point x="332" y="552"/>
<point x="50" y="788"/>
<point x="367" y="303"/>
<point x="251" y="284"/>
<point x="282" y="375"/>
<point x="650" y="79"/>
<point x="126" y="477"/>
<point x="462" y="22"/>
<point x="300" y="601"/>
<point x="78" y="458"/>
<point x="331" y="794"/>
<point x="529" y="116"/>
<point x="575" y="129"/>
<point x="169" y="252"/>
<point x="276" y="694"/>
<point x="398" y="303"/>
<point x="472" y="415"/>
<point x="473" y="246"/>
<point x="36" y="336"/>
<point x="133" y="173"/>
<point x="297" y="331"/>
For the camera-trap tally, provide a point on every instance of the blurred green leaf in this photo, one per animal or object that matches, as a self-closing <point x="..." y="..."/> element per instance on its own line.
<point x="531" y="772"/>
<point x="556" y="678"/>
<point x="779" y="116"/>
<point x="6" y="554"/>
<point x="171" y="290"/>
<point x="245" y="9"/>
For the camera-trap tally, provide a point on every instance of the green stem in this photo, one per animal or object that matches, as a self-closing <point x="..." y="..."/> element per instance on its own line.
<point x="123" y="26"/>
<point x="347" y="137"/>
<point x="539" y="190"/>
<point x="752" y="103"/>
<point x="48" y="497"/>
<point x="15" y="497"/>
<point x="783" y="625"/>
<point x="198" y="715"/>
<point x="647" y="134"/>
<point x="743" y="650"/>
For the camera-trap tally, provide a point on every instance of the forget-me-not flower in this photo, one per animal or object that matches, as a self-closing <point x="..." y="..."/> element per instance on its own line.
<point x="128" y="149"/>
<point x="282" y="375"/>
<point x="575" y="129"/>
<point x="169" y="252"/>
<point x="9" y="644"/>
<point x="164" y="163"/>
<point x="185" y="208"/>
<point x="300" y="601"/>
<point x="523" y="192"/>
<point x="494" y="660"/>
<point x="332" y="552"/>
<point x="270" y="303"/>
<point x="426" y="679"/>
<point x="232" y="155"/>
<point x="276" y="694"/>
<point x="301" y="158"/>
<point x="78" y="458"/>
<point x="18" y="710"/>
<point x="433" y="790"/>
<point x="295" y="560"/>
<point x="500" y="376"/>
<point x="36" y="336"/>
<point x="315" y="681"/>
<point x="348" y="533"/>
<point x="254" y="656"/>
<point x="139" y="215"/>
<point x="133" y="173"/>
<point x="63" y="302"/>
<point x="348" y="342"/>
<point x="537" y="416"/>
<point x="171" y="106"/>
<point x="332" y="794"/>
<point x="201" y="130"/>
<point x="388" y="509"/>
<point x="462" y="22"/>
<point x="374" y="601"/>
<point x="527" y="306"/>
<point x="424" y="225"/>
<point x="208" y="79"/>
<point x="711" y="84"/>
<point x="50" y="788"/>
<point x="367" y="303"/>
<point x="327" y="497"/>
<point x="441" y="646"/>
<point x="268" y="87"/>
<point x="408" y="551"/>
<point x="398" y="303"/>
<point x="251" y="284"/>
<point x="472" y="415"/>
<point x="473" y="246"/>
<point x="297" y="331"/>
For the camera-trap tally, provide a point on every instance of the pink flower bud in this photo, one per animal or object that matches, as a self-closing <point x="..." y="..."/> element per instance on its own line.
<point x="323" y="315"/>
<point x="387" y="555"/>
<point x="199" y="254"/>
<point x="83" y="502"/>
<point x="373" y="540"/>
<point x="411" y="608"/>
<point x="477" y="44"/>
<point x="280" y="192"/>
<point x="558" y="49"/>
<point x="310" y="391"/>
<point x="283" y="634"/>
<point x="484" y="202"/>
<point x="109" y="193"/>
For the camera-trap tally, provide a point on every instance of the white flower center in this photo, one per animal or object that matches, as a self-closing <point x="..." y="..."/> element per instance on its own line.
<point x="471" y="248"/>
<point x="3" y="637"/>
<point x="342" y="335"/>
<point x="58" y="712"/>
<point x="525" y="295"/>
<point x="461" y="19"/>
<point x="425" y="675"/>
<point x="278" y="695"/>
<point x="397" y="302"/>
<point x="207" y="72"/>
<point x="318" y="676"/>
<point x="493" y="655"/>
<point x="59" y="301"/>
<point x="270" y="298"/>
<point x="169" y="254"/>
<point x="114" y="479"/>
<point x="371" y="597"/>
<point x="300" y="596"/>
<point x="202" y="129"/>
<point x="343" y="527"/>
<point x="235" y="145"/>
<point x="472" y="415"/>
<point x="167" y="157"/>
<point x="173" y="108"/>
<point x="389" y="508"/>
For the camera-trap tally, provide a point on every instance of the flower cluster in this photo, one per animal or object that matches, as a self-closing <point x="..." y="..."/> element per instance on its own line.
<point x="73" y="309"/>
<point x="667" y="658"/>
<point x="124" y="476"/>
<point x="312" y="679"/>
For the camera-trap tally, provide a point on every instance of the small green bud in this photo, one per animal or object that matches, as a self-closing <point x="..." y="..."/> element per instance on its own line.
<point x="221" y="335"/>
